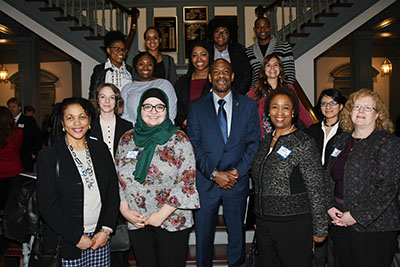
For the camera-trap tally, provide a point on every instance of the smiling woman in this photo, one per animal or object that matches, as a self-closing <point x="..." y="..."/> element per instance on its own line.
<point x="144" y="64"/>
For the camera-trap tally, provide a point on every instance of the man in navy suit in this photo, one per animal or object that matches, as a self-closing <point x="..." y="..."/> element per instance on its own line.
<point x="224" y="130"/>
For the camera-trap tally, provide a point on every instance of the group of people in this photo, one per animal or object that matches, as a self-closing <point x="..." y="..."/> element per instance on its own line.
<point x="161" y="155"/>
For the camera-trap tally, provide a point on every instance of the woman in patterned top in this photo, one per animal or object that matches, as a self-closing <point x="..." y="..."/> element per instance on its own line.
<point x="365" y="169"/>
<point x="156" y="167"/>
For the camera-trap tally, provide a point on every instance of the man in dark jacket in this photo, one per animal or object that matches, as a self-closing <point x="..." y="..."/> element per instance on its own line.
<point x="114" y="70"/>
<point x="32" y="142"/>
<point x="223" y="36"/>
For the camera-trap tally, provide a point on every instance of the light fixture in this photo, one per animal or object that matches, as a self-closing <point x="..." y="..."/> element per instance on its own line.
<point x="386" y="68"/>
<point x="3" y="74"/>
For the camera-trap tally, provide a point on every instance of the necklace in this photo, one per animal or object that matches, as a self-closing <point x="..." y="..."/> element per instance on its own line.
<point x="273" y="134"/>
<point x="330" y="125"/>
<point x="85" y="172"/>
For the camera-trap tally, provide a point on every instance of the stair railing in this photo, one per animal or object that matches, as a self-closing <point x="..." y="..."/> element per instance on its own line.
<point x="287" y="16"/>
<point x="99" y="15"/>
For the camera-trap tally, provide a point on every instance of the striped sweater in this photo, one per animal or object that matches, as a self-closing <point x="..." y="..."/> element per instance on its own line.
<point x="282" y="49"/>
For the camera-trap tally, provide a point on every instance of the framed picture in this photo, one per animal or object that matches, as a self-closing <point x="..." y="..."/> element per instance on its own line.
<point x="195" y="14"/>
<point x="193" y="32"/>
<point x="167" y="25"/>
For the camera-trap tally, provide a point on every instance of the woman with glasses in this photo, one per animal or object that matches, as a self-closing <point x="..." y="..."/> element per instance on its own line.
<point x="157" y="172"/>
<point x="144" y="64"/>
<point x="329" y="105"/>
<point x="165" y="65"/>
<point x="114" y="70"/>
<point x="364" y="166"/>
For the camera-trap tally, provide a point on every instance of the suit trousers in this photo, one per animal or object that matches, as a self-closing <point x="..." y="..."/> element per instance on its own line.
<point x="205" y="223"/>
<point x="363" y="249"/>
<point x="157" y="247"/>
<point x="285" y="243"/>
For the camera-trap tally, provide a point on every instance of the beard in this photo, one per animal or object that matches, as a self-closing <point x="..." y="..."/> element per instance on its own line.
<point x="221" y="89"/>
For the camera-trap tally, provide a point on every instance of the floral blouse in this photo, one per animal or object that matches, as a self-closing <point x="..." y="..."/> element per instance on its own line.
<point x="171" y="180"/>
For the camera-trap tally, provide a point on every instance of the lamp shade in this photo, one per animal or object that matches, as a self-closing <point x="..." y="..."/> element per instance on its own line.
<point x="386" y="68"/>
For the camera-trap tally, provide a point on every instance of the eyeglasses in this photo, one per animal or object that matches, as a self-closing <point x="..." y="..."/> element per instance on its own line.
<point x="149" y="107"/>
<point x="365" y="108"/>
<point x="118" y="49"/>
<point x="221" y="32"/>
<point x="332" y="104"/>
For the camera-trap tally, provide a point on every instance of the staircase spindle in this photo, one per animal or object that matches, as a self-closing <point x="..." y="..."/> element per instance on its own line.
<point x="111" y="17"/>
<point x="290" y="17"/>
<point x="65" y="8"/>
<point x="283" y="20"/>
<point x="326" y="6"/>
<point x="103" y="19"/>
<point x="57" y="3"/>
<point x="88" y="13"/>
<point x="319" y="6"/>
<point x="298" y="15"/>
<point x="80" y="13"/>
<point x="50" y="3"/>
<point x="73" y="8"/>
<point x="312" y="12"/>
<point x="304" y="10"/>
<point x="95" y="18"/>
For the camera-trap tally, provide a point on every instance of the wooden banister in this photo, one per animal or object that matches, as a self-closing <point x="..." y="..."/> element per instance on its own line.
<point x="305" y="101"/>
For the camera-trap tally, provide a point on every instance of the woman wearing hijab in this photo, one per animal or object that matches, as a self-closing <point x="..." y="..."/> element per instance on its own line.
<point x="156" y="167"/>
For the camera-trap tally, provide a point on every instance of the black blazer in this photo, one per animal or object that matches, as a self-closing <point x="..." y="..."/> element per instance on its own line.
<point x="121" y="127"/>
<point x="62" y="211"/>
<point x="32" y="141"/>
<point x="182" y="90"/>
<point x="316" y="132"/>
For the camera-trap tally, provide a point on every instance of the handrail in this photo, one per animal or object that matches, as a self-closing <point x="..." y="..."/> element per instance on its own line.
<point x="305" y="101"/>
<point x="100" y="16"/>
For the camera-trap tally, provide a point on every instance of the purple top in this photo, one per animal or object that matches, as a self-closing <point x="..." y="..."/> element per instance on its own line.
<point x="337" y="170"/>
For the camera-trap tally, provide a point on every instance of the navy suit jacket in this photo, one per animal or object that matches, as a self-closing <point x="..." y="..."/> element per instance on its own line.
<point x="211" y="152"/>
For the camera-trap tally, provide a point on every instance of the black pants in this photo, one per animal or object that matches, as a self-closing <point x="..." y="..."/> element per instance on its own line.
<point x="360" y="249"/>
<point x="285" y="243"/>
<point x="323" y="252"/>
<point x="156" y="247"/>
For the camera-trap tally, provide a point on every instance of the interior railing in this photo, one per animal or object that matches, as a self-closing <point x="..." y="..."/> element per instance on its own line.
<point x="100" y="15"/>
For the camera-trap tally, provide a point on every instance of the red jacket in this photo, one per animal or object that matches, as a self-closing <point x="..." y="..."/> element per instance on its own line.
<point x="10" y="162"/>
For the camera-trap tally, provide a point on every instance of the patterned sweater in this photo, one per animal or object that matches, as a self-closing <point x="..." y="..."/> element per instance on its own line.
<point x="171" y="180"/>
<point x="371" y="181"/>
<point x="282" y="49"/>
<point x="290" y="181"/>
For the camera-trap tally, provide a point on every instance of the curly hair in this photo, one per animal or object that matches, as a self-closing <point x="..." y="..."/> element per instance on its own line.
<point x="287" y="91"/>
<point x="383" y="121"/>
<point x="221" y="22"/>
<point x="206" y="46"/>
<point x="7" y="126"/>
<point x="262" y="84"/>
<point x="119" y="102"/>
<point x="112" y="37"/>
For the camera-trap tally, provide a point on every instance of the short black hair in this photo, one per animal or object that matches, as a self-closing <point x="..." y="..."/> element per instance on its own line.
<point x="287" y="91"/>
<point x="28" y="108"/>
<point x="141" y="54"/>
<point x="84" y="103"/>
<point x="335" y="94"/>
<point x="218" y="59"/>
<point x="153" y="28"/>
<point x="112" y="37"/>
<point x="13" y="100"/>
<point x="260" y="18"/>
<point x="222" y="22"/>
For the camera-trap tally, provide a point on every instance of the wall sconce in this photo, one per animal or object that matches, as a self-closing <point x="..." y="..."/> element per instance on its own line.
<point x="386" y="68"/>
<point x="3" y="74"/>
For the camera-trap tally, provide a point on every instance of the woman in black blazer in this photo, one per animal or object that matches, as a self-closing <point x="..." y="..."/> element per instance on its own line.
<point x="109" y="126"/>
<point x="195" y="82"/>
<point x="80" y="207"/>
<point x="329" y="105"/>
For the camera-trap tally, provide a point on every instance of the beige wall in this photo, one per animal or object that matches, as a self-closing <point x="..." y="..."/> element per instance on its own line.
<point x="327" y="64"/>
<point x="63" y="86"/>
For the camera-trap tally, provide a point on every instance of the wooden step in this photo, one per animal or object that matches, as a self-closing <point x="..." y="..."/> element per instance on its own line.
<point x="51" y="9"/>
<point x="326" y="15"/>
<point x="312" y="25"/>
<point x="94" y="38"/>
<point x="69" y="18"/>
<point x="298" y="34"/>
<point x="81" y="28"/>
<point x="341" y="5"/>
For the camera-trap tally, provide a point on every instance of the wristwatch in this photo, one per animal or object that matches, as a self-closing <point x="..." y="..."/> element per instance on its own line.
<point x="213" y="175"/>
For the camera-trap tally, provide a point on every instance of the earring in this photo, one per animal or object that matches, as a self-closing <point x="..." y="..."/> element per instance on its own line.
<point x="90" y="126"/>
<point x="63" y="129"/>
<point x="292" y="115"/>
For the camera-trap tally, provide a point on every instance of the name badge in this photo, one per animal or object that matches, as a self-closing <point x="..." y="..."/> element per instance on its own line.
<point x="284" y="152"/>
<point x="336" y="152"/>
<point x="20" y="125"/>
<point x="132" y="154"/>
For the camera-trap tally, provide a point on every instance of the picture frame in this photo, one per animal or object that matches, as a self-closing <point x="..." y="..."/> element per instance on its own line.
<point x="168" y="27"/>
<point x="193" y="32"/>
<point x="195" y="14"/>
